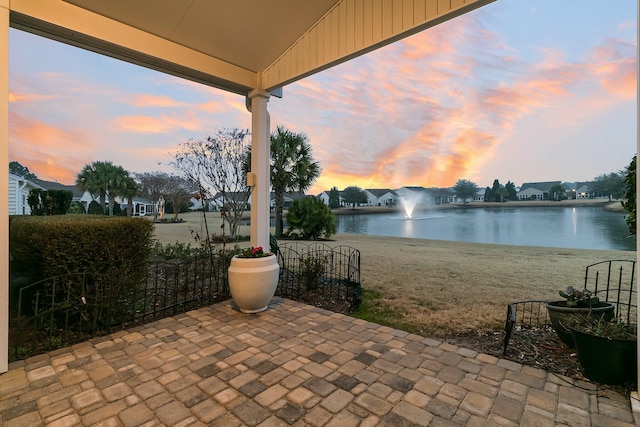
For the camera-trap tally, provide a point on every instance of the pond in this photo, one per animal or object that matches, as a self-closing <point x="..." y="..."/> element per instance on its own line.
<point x="580" y="227"/>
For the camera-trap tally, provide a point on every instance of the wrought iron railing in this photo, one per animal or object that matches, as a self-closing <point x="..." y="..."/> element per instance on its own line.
<point x="320" y="275"/>
<point x="67" y="309"/>
<point x="613" y="281"/>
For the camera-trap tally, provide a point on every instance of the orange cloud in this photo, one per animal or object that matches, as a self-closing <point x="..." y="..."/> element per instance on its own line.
<point x="49" y="152"/>
<point x="152" y="124"/>
<point x="614" y="65"/>
<point x="16" y="98"/>
<point x="155" y="101"/>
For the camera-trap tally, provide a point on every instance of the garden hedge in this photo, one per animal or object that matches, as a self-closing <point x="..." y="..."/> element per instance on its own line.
<point x="42" y="247"/>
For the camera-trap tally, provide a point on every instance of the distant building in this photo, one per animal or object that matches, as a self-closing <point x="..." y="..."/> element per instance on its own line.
<point x="479" y="197"/>
<point x="324" y="196"/>
<point x="380" y="196"/>
<point x="19" y="188"/>
<point x="536" y="190"/>
<point x="579" y="190"/>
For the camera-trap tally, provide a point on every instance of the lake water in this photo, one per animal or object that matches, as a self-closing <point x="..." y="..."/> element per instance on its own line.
<point x="581" y="227"/>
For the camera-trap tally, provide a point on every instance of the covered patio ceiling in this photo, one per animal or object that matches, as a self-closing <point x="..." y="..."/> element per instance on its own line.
<point x="237" y="45"/>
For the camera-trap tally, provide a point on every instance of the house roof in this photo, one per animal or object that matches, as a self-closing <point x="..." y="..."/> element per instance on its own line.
<point x="379" y="192"/>
<point x="30" y="182"/>
<point x="540" y="186"/>
<point x="52" y="185"/>
<point x="238" y="45"/>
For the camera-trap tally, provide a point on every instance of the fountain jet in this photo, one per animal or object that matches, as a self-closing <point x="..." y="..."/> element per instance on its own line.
<point x="408" y="204"/>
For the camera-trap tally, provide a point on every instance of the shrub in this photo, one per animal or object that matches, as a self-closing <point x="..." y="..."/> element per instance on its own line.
<point x="76" y="208"/>
<point x="629" y="204"/>
<point x="42" y="247"/>
<point x="99" y="264"/>
<point x="310" y="218"/>
<point x="95" y="208"/>
<point x="312" y="270"/>
<point x="175" y="250"/>
<point x="49" y="202"/>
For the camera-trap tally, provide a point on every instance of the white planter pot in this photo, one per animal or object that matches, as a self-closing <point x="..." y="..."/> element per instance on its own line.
<point x="253" y="282"/>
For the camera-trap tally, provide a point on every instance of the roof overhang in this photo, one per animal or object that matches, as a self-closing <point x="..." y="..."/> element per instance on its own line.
<point x="237" y="46"/>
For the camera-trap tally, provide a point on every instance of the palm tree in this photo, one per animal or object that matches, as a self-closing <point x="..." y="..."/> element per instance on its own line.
<point x="94" y="179"/>
<point x="292" y="167"/>
<point x="128" y="191"/>
<point x="102" y="179"/>
<point x="119" y="185"/>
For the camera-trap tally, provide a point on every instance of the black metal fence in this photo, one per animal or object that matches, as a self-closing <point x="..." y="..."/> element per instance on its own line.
<point x="320" y="275"/>
<point x="612" y="281"/>
<point x="64" y="310"/>
<point x="67" y="309"/>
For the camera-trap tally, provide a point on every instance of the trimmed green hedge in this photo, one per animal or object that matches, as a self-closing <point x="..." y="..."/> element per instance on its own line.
<point x="42" y="247"/>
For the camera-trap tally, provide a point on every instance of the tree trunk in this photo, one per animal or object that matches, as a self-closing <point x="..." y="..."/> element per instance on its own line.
<point x="278" y="219"/>
<point x="103" y="202"/>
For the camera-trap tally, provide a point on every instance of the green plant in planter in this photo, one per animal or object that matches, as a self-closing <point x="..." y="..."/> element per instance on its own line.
<point x="610" y="329"/>
<point x="578" y="298"/>
<point x="576" y="303"/>
<point x="607" y="349"/>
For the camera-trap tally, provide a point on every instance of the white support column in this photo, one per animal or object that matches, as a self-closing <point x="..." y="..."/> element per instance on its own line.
<point x="260" y="158"/>
<point x="4" y="186"/>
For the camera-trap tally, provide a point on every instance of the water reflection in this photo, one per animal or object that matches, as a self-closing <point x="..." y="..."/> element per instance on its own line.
<point x="578" y="227"/>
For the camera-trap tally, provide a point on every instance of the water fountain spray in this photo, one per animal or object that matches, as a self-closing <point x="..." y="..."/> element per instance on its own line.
<point x="408" y="204"/>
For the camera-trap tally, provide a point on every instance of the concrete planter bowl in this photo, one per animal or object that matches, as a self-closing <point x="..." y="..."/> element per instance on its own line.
<point x="253" y="282"/>
<point x="560" y="315"/>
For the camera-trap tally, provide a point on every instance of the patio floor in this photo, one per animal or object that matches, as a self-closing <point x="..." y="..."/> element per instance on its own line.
<point x="290" y="365"/>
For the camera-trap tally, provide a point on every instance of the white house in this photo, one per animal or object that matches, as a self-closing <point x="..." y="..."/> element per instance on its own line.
<point x="380" y="196"/>
<point x="536" y="190"/>
<point x="324" y="196"/>
<point x="19" y="188"/>
<point x="582" y="190"/>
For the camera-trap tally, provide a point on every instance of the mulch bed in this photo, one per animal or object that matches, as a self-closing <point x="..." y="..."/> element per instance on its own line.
<point x="537" y="347"/>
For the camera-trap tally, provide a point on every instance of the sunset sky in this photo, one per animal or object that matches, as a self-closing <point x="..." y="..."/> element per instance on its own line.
<point x="519" y="90"/>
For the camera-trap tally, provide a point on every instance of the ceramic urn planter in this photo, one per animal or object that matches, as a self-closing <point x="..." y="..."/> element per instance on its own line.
<point x="560" y="315"/>
<point x="253" y="282"/>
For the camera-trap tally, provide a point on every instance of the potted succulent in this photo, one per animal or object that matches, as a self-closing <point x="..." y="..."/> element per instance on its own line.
<point x="607" y="350"/>
<point x="576" y="303"/>
<point x="253" y="279"/>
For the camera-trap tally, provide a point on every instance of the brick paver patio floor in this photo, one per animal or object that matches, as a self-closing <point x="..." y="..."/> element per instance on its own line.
<point x="290" y="365"/>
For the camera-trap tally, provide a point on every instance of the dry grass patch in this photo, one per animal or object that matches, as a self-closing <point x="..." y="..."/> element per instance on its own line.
<point x="440" y="288"/>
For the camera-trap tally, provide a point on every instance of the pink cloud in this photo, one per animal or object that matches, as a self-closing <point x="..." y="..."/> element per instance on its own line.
<point x="48" y="151"/>
<point x="160" y="124"/>
<point x="145" y="100"/>
<point x="434" y="120"/>
<point x="22" y="98"/>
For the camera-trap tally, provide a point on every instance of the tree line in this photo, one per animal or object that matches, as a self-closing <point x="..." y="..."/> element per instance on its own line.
<point x="612" y="185"/>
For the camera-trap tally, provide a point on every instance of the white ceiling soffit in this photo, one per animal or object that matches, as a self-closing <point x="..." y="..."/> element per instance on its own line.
<point x="235" y="45"/>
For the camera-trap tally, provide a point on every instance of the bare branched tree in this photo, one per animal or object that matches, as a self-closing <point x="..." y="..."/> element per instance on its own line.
<point x="173" y="188"/>
<point x="217" y="167"/>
